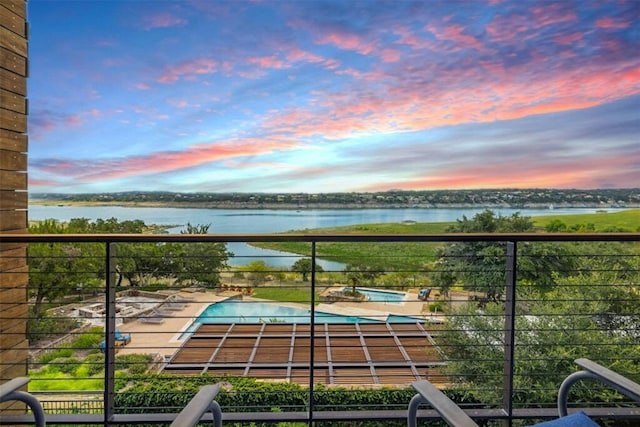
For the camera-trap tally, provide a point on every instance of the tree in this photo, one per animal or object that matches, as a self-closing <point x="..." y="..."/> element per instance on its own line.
<point x="258" y="272"/>
<point x="480" y="266"/>
<point x="590" y="310"/>
<point x="565" y="325"/>
<point x="358" y="274"/>
<point x="55" y="269"/>
<point x="303" y="266"/>
<point x="199" y="263"/>
<point x="139" y="263"/>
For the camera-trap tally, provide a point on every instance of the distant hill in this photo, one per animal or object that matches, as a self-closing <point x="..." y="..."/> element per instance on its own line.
<point x="526" y="198"/>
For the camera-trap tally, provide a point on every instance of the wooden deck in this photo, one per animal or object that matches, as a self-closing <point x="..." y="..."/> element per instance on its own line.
<point x="344" y="353"/>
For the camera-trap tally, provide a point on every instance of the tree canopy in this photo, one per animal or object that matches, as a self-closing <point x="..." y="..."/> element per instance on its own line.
<point x="480" y="266"/>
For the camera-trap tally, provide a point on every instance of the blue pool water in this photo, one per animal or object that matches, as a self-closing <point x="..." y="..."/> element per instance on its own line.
<point x="259" y="312"/>
<point x="238" y="311"/>
<point x="388" y="297"/>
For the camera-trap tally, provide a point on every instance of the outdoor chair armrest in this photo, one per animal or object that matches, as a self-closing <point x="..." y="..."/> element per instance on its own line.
<point x="9" y="391"/>
<point x="594" y="371"/>
<point x="202" y="402"/>
<point x="448" y="410"/>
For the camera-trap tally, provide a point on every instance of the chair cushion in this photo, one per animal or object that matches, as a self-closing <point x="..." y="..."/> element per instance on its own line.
<point x="577" y="419"/>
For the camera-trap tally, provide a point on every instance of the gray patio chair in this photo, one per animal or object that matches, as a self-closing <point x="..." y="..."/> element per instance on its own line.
<point x="173" y="306"/>
<point x="151" y="319"/>
<point x="456" y="417"/>
<point x="162" y="313"/>
<point x="9" y="391"/>
<point x="201" y="403"/>
<point x="180" y="298"/>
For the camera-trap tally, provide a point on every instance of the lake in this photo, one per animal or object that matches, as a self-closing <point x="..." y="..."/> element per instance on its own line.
<point x="241" y="221"/>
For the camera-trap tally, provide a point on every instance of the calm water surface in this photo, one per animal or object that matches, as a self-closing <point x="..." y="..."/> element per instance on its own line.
<point x="230" y="221"/>
<point x="240" y="221"/>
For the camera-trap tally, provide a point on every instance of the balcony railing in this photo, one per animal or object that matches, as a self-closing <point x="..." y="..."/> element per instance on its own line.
<point x="126" y="328"/>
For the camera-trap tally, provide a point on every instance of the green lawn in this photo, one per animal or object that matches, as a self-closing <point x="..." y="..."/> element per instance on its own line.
<point x="393" y="256"/>
<point x="289" y="294"/>
<point x="628" y="220"/>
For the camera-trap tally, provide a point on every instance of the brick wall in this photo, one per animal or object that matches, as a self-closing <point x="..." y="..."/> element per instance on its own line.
<point x="13" y="186"/>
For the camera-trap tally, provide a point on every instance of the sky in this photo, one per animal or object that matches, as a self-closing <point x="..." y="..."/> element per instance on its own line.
<point x="333" y="96"/>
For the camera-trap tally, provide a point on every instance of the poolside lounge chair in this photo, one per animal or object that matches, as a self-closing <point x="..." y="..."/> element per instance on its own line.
<point x="151" y="319"/>
<point x="9" y="391"/>
<point x="174" y="306"/>
<point x="162" y="313"/>
<point x="180" y="298"/>
<point x="456" y="417"/>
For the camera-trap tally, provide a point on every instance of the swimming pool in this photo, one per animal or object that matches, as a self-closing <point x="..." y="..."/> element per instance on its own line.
<point x="377" y="295"/>
<point x="239" y="311"/>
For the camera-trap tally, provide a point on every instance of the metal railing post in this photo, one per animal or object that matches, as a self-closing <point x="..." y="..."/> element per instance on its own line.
<point x="110" y="327"/>
<point x="509" y="330"/>
<point x="312" y="330"/>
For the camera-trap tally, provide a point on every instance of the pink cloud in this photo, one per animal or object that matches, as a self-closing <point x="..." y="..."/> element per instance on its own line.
<point x="611" y="24"/>
<point x="568" y="39"/>
<point x="73" y="120"/>
<point x="178" y="103"/>
<point x="576" y="173"/>
<point x="34" y="182"/>
<point x="455" y="33"/>
<point x="188" y="69"/>
<point x="164" y="161"/>
<point x="162" y="20"/>
<point x="299" y="55"/>
<point x="406" y="36"/>
<point x="390" y="55"/>
<point x="552" y="13"/>
<point x="508" y="29"/>
<point x="350" y="42"/>
<point x="268" y="62"/>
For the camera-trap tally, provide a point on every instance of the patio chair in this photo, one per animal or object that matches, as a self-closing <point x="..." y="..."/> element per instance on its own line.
<point x="162" y="313"/>
<point x="151" y="319"/>
<point x="180" y="298"/>
<point x="174" y="306"/>
<point x="202" y="402"/>
<point x="123" y="338"/>
<point x="9" y="391"/>
<point x="456" y="417"/>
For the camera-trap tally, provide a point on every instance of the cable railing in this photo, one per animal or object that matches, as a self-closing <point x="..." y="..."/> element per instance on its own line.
<point x="322" y="328"/>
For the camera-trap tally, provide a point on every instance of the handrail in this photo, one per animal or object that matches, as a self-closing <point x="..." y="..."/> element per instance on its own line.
<point x="297" y="237"/>
<point x="448" y="410"/>
<point x="594" y="371"/>
<point x="202" y="402"/>
<point x="9" y="391"/>
<point x="314" y="413"/>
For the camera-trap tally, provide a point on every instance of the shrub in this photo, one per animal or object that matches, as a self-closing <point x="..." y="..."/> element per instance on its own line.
<point x="436" y="306"/>
<point x="134" y="363"/>
<point x="56" y="354"/>
<point x="94" y="364"/>
<point x="46" y="327"/>
<point x="67" y="365"/>
<point x="89" y="340"/>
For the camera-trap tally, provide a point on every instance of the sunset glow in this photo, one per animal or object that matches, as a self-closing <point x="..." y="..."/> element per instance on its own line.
<point x="327" y="96"/>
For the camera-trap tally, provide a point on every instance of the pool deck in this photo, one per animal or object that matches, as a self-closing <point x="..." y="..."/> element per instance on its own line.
<point x="163" y="338"/>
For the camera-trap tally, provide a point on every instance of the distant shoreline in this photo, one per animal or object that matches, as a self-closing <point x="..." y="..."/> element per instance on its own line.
<point x="311" y="206"/>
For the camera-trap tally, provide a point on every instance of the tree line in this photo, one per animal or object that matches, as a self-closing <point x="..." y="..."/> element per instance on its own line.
<point x="393" y="198"/>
